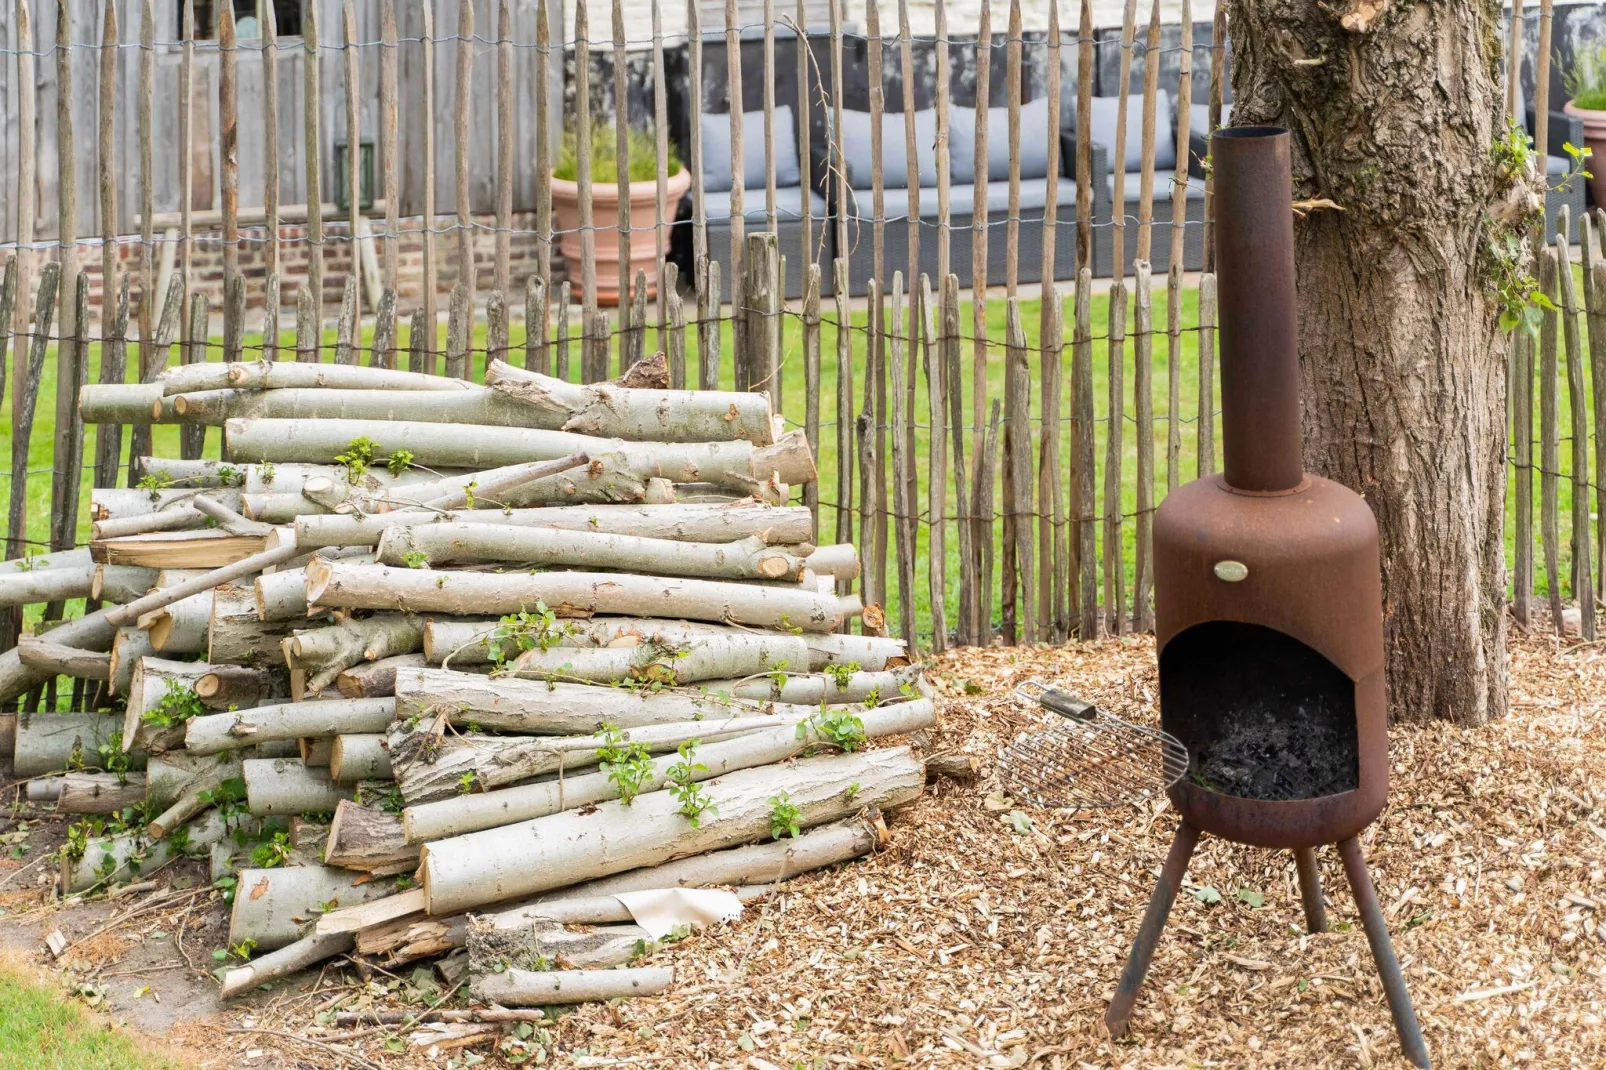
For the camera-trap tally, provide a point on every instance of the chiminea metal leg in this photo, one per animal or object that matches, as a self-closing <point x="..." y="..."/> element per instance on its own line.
<point x="1310" y="889"/>
<point x="1388" y="967"/>
<point x="1137" y="962"/>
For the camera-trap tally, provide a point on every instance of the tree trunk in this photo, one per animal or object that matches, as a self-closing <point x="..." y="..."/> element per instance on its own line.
<point x="154" y="679"/>
<point x="1394" y="112"/>
<point x="783" y="525"/>
<point x="340" y="585"/>
<point x="551" y="852"/>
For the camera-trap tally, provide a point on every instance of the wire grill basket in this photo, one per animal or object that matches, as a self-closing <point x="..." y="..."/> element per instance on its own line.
<point x="1088" y="759"/>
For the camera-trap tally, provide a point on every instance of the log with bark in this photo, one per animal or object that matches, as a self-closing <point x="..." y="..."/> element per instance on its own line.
<point x="284" y="375"/>
<point x="161" y="696"/>
<point x="536" y="943"/>
<point x="536" y="707"/>
<point x="358" y="756"/>
<point x="377" y="679"/>
<point x="738" y="465"/>
<point x="121" y="583"/>
<point x="117" y="503"/>
<point x="181" y="516"/>
<point x="316" y="750"/>
<point x="197" y="793"/>
<point x="247" y="479"/>
<point x="180" y="628"/>
<point x="368" y="839"/>
<point x="610" y="479"/>
<point x="662" y="662"/>
<point x="473" y="406"/>
<point x="548" y="988"/>
<point x="292" y="958"/>
<point x="240" y="686"/>
<point x="340" y="585"/>
<point x="550" y="852"/>
<point x="94" y="631"/>
<point x="99" y="793"/>
<point x="276" y="907"/>
<point x="324" y="653"/>
<point x="724" y="523"/>
<point x="816" y="689"/>
<point x="58" y="660"/>
<point x="455" y="815"/>
<point x="43" y="585"/>
<point x="621" y="412"/>
<point x="288" y="786"/>
<point x="236" y="635"/>
<point x="110" y="859"/>
<point x="118" y="403"/>
<point x="458" y="491"/>
<point x="219" y="732"/>
<point x="130" y="644"/>
<point x="435" y="544"/>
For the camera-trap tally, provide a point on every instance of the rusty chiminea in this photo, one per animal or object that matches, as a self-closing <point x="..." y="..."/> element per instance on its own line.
<point x="1268" y="601"/>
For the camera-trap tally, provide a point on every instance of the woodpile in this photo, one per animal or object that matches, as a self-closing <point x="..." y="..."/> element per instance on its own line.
<point x="431" y="667"/>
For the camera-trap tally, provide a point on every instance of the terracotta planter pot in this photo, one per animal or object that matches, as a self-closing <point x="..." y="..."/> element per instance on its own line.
<point x="605" y="222"/>
<point x="1595" y="138"/>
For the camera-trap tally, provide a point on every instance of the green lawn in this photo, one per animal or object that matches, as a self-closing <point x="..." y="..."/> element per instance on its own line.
<point x="42" y="1030"/>
<point x="794" y="396"/>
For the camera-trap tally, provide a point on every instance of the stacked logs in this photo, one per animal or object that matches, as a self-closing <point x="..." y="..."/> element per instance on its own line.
<point x="435" y="668"/>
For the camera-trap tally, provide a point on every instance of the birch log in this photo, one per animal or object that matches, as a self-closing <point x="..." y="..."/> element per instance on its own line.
<point x="53" y="584"/>
<point x="56" y="742"/>
<point x="376" y="679"/>
<point x="550" y="852"/>
<point x="547" y="988"/>
<point x="246" y="480"/>
<point x="739" y="465"/>
<point x="462" y="814"/>
<point x="498" y="943"/>
<point x="121" y="583"/>
<point x="814" y="690"/>
<point x="275" y="906"/>
<point x="237" y="635"/>
<point x="291" y="958"/>
<point x="367" y="839"/>
<point x="159" y="688"/>
<point x="228" y="573"/>
<point x="58" y="660"/>
<point x="723" y="523"/>
<point x="270" y="375"/>
<point x="195" y="793"/>
<point x="129" y="645"/>
<point x="663" y="662"/>
<point x="288" y="786"/>
<point x="180" y="628"/>
<point x="111" y="859"/>
<point x="240" y="686"/>
<point x="339" y="584"/>
<point x="221" y="732"/>
<point x="90" y="632"/>
<point x="614" y="411"/>
<point x="118" y="403"/>
<point x="358" y="756"/>
<point x="476" y="406"/>
<point x="324" y="653"/>
<point x="99" y="793"/>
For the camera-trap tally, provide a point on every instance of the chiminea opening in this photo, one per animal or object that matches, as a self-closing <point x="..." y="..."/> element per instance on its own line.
<point x="1263" y="715"/>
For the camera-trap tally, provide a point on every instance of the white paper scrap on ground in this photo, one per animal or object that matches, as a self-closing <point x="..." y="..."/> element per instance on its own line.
<point x="663" y="910"/>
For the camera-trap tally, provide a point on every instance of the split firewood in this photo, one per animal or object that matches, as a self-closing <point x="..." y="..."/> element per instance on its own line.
<point x="121" y="583"/>
<point x="613" y="411"/>
<point x="227" y="518"/>
<point x="272" y="375"/>
<point x="466" y="543"/>
<point x="61" y="660"/>
<point x="739" y="465"/>
<point x="542" y="944"/>
<point x="324" y="653"/>
<point x="237" y="635"/>
<point x="711" y="657"/>
<point x="196" y="795"/>
<point x="180" y="628"/>
<point x="455" y="815"/>
<point x="99" y="793"/>
<point x="94" y="631"/>
<point x="206" y="548"/>
<point x="785" y="525"/>
<point x="427" y="764"/>
<point x="359" y="756"/>
<point x="276" y="907"/>
<point x="368" y="839"/>
<point x="292" y="958"/>
<point x="955" y="765"/>
<point x="240" y="686"/>
<point x="564" y="848"/>
<point x="547" y="988"/>
<point x="219" y="732"/>
<point x="288" y="786"/>
<point x="502" y="704"/>
<point x="161" y="696"/>
<point x="337" y="584"/>
<point x="228" y="573"/>
<point x="376" y="679"/>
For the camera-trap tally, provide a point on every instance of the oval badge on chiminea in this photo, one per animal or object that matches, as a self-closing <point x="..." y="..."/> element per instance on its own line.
<point x="1267" y="600"/>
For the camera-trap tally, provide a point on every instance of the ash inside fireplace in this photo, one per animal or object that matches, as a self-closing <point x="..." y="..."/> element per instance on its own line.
<point x="1263" y="715"/>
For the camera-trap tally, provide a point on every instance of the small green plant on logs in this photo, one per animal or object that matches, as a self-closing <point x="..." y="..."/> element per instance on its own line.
<point x="629" y="763"/>
<point x="686" y="790"/>
<point x="785" y="817"/>
<point x="174" y="708"/>
<point x="355" y="460"/>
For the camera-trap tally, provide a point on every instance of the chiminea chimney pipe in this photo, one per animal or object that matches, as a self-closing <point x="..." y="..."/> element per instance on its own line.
<point x="1259" y="329"/>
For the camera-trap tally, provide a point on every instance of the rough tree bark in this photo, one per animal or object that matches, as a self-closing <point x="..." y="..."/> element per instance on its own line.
<point x="1394" y="109"/>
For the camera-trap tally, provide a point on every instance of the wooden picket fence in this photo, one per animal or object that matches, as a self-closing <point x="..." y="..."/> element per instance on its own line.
<point x="982" y="511"/>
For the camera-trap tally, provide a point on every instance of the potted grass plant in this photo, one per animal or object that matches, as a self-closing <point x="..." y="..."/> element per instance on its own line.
<point x="641" y="189"/>
<point x="1586" y="85"/>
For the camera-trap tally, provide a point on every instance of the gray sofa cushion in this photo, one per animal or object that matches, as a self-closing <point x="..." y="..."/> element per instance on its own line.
<point x="1034" y="135"/>
<point x="1105" y="114"/>
<point x="1199" y="118"/>
<point x="1033" y="195"/>
<point x="788" y="204"/>
<point x="717" y="175"/>
<point x="856" y="148"/>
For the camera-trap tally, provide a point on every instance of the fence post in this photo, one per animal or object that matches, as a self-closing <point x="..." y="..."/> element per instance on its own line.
<point x="1018" y="496"/>
<point x="537" y="325"/>
<point x="461" y="102"/>
<point x="311" y="92"/>
<point x="1143" y="396"/>
<point x="932" y="355"/>
<point x="952" y="422"/>
<point x="383" y="353"/>
<point x="1549" y="446"/>
<point x="1206" y="444"/>
<point x="389" y="154"/>
<point x="459" y="331"/>
<point x="621" y="149"/>
<point x="675" y="329"/>
<point x="1583" y="576"/>
<point x="1114" y="455"/>
<point x="26" y="392"/>
<point x="504" y="146"/>
<point x="811" y="384"/>
<point x="844" y="404"/>
<point x="1086" y="533"/>
<point x="423" y="347"/>
<point x="192" y="439"/>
